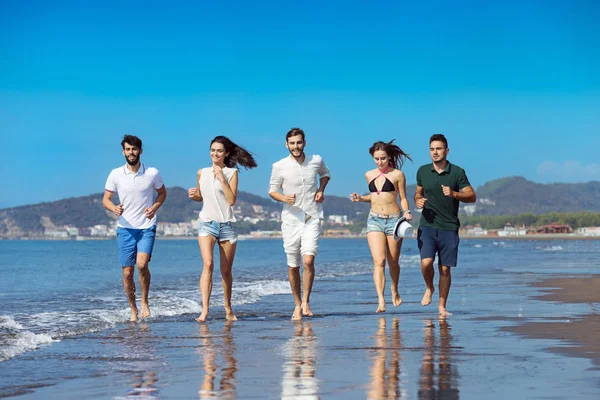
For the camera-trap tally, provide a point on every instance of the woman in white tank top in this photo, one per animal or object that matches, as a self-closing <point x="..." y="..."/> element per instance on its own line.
<point x="216" y="187"/>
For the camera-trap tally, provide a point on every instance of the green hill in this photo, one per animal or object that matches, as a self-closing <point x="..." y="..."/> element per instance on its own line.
<point x="506" y="196"/>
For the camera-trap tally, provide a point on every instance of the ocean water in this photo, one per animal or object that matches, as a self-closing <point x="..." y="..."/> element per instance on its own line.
<point x="55" y="294"/>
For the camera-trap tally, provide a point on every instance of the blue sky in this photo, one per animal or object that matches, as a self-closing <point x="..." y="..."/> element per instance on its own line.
<point x="514" y="86"/>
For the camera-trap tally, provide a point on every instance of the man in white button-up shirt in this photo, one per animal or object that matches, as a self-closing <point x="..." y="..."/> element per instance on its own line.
<point x="294" y="183"/>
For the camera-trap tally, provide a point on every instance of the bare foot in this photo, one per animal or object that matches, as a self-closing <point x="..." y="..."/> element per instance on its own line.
<point x="297" y="315"/>
<point x="134" y="315"/>
<point x="306" y="311"/>
<point x="427" y="296"/>
<point x="145" y="311"/>
<point x="202" y="317"/>
<point x="229" y="315"/>
<point x="381" y="308"/>
<point x="396" y="299"/>
<point x="443" y="313"/>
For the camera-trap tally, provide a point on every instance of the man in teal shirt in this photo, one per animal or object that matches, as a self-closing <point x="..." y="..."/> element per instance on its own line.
<point x="440" y="187"/>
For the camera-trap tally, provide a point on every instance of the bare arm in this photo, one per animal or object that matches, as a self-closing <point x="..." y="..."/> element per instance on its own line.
<point x="320" y="194"/>
<point x="419" y="198"/>
<point x="402" y="193"/>
<point x="230" y="188"/>
<point x="277" y="196"/>
<point x="160" y="199"/>
<point x="194" y="193"/>
<point x="355" y="197"/>
<point x="108" y="204"/>
<point x="466" y="194"/>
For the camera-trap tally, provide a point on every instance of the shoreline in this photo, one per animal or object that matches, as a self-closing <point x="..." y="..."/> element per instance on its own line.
<point x="580" y="332"/>
<point x="549" y="236"/>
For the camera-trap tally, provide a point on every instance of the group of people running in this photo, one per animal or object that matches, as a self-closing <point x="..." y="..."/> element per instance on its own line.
<point x="298" y="181"/>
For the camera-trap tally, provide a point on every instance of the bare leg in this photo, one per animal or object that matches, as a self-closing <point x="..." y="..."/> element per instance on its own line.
<point x="227" y="254"/>
<point x="308" y="276"/>
<point x="207" y="244"/>
<point x="428" y="274"/>
<point x="445" y="282"/>
<point x="393" y="259"/>
<point x="129" y="287"/>
<point x="294" y="277"/>
<point x="378" y="245"/>
<point x="144" y="277"/>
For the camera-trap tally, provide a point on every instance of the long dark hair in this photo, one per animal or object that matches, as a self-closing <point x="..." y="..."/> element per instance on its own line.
<point x="397" y="156"/>
<point x="237" y="155"/>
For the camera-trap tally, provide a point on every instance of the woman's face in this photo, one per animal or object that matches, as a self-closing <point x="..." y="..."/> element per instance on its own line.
<point x="217" y="153"/>
<point x="381" y="158"/>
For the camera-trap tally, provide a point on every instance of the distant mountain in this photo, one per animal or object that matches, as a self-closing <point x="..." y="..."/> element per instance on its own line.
<point x="506" y="196"/>
<point x="86" y="211"/>
<point x="514" y="195"/>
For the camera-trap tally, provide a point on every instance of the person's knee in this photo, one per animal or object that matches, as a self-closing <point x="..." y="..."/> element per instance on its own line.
<point x="444" y="271"/>
<point x="128" y="274"/>
<point x="427" y="263"/>
<point x="309" y="264"/>
<point x="208" y="265"/>
<point x="379" y="262"/>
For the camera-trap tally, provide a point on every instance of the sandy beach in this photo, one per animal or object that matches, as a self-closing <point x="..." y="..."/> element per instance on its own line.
<point x="579" y="332"/>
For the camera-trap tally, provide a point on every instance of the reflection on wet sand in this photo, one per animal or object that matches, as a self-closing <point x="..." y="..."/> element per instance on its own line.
<point x="446" y="386"/>
<point x="299" y="381"/>
<point x="139" y="347"/>
<point x="210" y="351"/>
<point x="385" y="372"/>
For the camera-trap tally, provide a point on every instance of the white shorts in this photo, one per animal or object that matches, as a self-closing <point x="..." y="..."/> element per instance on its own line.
<point x="300" y="240"/>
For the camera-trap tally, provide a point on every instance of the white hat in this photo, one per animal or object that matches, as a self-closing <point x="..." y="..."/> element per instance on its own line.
<point x="402" y="229"/>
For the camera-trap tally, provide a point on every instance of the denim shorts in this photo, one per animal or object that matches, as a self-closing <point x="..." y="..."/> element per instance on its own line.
<point x="222" y="231"/>
<point x="436" y="241"/>
<point x="133" y="241"/>
<point x="382" y="223"/>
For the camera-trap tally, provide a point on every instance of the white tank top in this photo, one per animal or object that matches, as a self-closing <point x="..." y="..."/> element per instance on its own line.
<point x="214" y="203"/>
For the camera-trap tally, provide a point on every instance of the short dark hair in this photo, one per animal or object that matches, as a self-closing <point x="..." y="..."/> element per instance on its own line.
<point x="132" y="141"/>
<point x="294" y="132"/>
<point x="438" y="137"/>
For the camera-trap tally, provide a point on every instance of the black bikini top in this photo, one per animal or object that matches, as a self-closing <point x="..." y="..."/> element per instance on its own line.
<point x="388" y="186"/>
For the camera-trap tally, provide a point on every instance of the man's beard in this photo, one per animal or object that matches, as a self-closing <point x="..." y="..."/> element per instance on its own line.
<point x="134" y="162"/>
<point x="300" y="156"/>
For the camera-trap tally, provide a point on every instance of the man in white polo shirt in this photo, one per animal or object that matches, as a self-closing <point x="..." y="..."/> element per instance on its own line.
<point x="294" y="183"/>
<point x="135" y="185"/>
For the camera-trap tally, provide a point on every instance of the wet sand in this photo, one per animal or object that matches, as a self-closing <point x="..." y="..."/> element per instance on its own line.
<point x="581" y="333"/>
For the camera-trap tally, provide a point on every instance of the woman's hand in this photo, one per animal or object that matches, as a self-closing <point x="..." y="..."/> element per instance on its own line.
<point x="354" y="197"/>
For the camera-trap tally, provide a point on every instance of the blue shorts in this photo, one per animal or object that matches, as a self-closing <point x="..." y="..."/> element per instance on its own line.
<point x="222" y="231"/>
<point x="436" y="241"/>
<point x="382" y="223"/>
<point x="133" y="241"/>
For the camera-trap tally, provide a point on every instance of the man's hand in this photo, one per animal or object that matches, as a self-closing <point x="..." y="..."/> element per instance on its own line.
<point x="118" y="210"/>
<point x="319" y="197"/>
<point x="290" y="199"/>
<point x="354" y="197"/>
<point x="149" y="212"/>
<point x="447" y="191"/>
<point x="421" y="202"/>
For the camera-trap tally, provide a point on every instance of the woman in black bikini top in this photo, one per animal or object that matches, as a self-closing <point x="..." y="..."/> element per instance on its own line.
<point x="386" y="184"/>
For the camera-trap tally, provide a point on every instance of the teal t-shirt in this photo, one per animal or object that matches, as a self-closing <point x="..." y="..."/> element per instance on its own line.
<point x="441" y="212"/>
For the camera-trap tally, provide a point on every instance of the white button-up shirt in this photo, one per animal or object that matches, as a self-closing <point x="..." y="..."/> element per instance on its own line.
<point x="299" y="179"/>
<point x="136" y="193"/>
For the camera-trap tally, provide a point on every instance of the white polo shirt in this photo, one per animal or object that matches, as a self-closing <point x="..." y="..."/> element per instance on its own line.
<point x="136" y="193"/>
<point x="301" y="180"/>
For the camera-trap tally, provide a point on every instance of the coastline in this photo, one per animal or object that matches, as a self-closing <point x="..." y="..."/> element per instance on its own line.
<point x="548" y="236"/>
<point x="580" y="332"/>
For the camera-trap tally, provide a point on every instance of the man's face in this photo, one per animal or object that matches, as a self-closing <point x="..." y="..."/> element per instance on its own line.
<point x="132" y="154"/>
<point x="438" y="151"/>
<point x="295" y="145"/>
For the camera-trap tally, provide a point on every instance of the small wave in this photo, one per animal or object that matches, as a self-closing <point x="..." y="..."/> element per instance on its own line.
<point x="15" y="340"/>
<point x="550" y="248"/>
